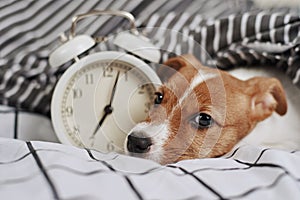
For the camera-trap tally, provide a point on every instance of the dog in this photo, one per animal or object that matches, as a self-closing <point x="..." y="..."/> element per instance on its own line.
<point x="202" y="112"/>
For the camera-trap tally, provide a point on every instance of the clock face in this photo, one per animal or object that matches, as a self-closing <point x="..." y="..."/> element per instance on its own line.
<point x="97" y="105"/>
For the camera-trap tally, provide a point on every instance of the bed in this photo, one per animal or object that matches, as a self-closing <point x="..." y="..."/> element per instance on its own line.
<point x="34" y="165"/>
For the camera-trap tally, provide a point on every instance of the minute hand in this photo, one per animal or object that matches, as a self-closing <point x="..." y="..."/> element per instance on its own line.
<point x="114" y="89"/>
<point x="108" y="108"/>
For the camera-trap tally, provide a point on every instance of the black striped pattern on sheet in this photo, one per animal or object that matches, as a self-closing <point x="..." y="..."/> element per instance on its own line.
<point x="65" y="172"/>
<point x="233" y="33"/>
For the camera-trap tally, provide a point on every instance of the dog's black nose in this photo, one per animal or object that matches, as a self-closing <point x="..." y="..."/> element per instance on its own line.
<point x="137" y="143"/>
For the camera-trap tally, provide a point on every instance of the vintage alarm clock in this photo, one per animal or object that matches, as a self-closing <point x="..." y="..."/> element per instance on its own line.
<point x="103" y="95"/>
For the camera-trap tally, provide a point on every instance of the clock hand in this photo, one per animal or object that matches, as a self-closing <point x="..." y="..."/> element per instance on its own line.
<point x="114" y="89"/>
<point x="108" y="109"/>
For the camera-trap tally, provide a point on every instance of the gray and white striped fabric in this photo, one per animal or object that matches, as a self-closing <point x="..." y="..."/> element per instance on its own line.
<point x="232" y="33"/>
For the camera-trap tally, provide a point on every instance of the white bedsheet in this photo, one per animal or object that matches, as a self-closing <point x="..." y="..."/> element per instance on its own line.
<point x="43" y="170"/>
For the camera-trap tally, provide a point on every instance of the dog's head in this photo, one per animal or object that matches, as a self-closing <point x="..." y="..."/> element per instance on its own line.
<point x="202" y="112"/>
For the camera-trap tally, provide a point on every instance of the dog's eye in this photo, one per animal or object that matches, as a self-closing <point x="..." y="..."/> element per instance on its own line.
<point x="159" y="97"/>
<point x="201" y="121"/>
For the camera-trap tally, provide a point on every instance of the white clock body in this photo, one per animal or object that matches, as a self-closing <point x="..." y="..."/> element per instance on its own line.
<point x="85" y="89"/>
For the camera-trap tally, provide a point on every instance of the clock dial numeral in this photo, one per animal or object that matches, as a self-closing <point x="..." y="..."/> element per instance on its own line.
<point x="108" y="71"/>
<point x="76" y="133"/>
<point x="76" y="130"/>
<point x="77" y="93"/>
<point x="126" y="75"/>
<point x="89" y="79"/>
<point x="68" y="111"/>
<point x="147" y="107"/>
<point x="142" y="89"/>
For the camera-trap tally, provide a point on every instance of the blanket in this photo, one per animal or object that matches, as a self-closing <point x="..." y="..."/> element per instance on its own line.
<point x="39" y="170"/>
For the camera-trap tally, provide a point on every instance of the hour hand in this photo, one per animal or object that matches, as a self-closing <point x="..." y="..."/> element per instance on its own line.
<point x="107" y="111"/>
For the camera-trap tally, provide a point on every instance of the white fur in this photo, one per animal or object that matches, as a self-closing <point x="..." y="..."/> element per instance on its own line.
<point x="158" y="133"/>
<point x="201" y="77"/>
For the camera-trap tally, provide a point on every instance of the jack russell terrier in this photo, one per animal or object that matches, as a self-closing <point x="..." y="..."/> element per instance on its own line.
<point x="201" y="112"/>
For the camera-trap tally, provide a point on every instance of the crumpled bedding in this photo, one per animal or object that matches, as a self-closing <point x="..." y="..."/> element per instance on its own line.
<point x="44" y="170"/>
<point x="223" y="34"/>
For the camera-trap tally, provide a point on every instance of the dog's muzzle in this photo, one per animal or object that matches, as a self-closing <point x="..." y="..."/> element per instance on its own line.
<point x="138" y="143"/>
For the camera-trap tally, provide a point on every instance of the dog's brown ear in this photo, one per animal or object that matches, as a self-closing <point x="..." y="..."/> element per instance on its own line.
<point x="173" y="65"/>
<point x="267" y="96"/>
<point x="170" y="67"/>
